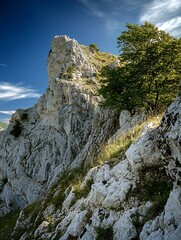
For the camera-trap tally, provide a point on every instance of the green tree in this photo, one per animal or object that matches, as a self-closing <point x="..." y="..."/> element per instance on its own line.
<point x="149" y="71"/>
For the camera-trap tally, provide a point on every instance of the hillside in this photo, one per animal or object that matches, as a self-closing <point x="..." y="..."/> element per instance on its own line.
<point x="69" y="170"/>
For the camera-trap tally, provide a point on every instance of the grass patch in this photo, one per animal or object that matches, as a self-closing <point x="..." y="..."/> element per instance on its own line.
<point x="99" y="59"/>
<point x="58" y="236"/>
<point x="73" y="179"/>
<point x="56" y="195"/>
<point x="81" y="192"/>
<point x="58" y="199"/>
<point x="7" y="224"/>
<point x="3" y="125"/>
<point x="33" y="210"/>
<point x="115" y="151"/>
<point x="112" y="152"/>
<point x="69" y="71"/>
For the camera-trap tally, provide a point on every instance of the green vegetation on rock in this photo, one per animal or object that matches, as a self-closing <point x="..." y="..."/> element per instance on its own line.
<point x="104" y="233"/>
<point x="99" y="59"/>
<point x="114" y="151"/>
<point x="30" y="220"/>
<point x="3" y="125"/>
<point x="81" y="192"/>
<point x="93" y="47"/>
<point x="69" y="71"/>
<point x="7" y="224"/>
<point x="154" y="186"/>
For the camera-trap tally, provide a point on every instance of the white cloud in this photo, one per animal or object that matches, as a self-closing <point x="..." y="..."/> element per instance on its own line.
<point x="93" y="8"/>
<point x="112" y="25"/>
<point x="108" y="16"/>
<point x="133" y="5"/>
<point x="10" y="92"/>
<point x="171" y="26"/>
<point x="166" y="14"/>
<point x="7" y="112"/>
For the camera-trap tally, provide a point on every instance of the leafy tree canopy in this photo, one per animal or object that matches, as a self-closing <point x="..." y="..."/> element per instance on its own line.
<point x="149" y="71"/>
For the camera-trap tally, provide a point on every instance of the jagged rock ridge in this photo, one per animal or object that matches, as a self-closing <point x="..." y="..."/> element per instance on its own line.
<point x="63" y="130"/>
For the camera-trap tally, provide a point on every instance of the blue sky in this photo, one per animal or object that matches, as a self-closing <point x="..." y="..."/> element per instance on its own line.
<point x="27" y="28"/>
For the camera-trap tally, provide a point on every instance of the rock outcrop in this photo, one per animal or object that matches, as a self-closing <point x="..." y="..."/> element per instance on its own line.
<point x="62" y="131"/>
<point x="134" y="194"/>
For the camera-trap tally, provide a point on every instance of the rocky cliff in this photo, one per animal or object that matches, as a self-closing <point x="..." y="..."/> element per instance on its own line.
<point x="64" y="130"/>
<point x="130" y="187"/>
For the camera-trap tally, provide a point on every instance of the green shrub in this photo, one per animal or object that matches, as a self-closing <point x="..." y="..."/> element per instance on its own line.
<point x="16" y="131"/>
<point x="94" y="48"/>
<point x="158" y="193"/>
<point x="104" y="233"/>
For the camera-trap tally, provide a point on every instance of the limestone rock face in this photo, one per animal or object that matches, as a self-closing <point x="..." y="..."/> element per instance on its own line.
<point x="67" y="58"/>
<point x="137" y="198"/>
<point x="62" y="131"/>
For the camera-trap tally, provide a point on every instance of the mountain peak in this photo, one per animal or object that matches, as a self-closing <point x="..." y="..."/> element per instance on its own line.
<point x="62" y="131"/>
